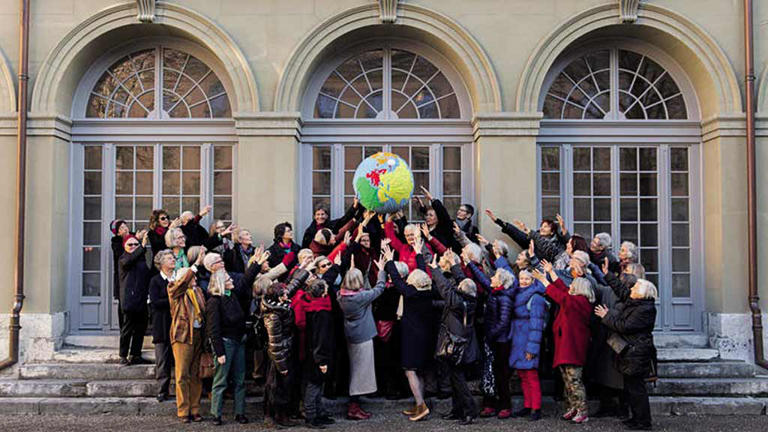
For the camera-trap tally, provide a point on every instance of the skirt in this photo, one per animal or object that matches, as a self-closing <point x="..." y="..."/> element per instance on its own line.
<point x="362" y="372"/>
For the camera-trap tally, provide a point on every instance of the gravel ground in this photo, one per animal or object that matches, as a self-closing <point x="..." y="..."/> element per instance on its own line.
<point x="379" y="423"/>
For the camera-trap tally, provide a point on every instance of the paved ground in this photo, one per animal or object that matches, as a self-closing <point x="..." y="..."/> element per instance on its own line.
<point x="379" y="423"/>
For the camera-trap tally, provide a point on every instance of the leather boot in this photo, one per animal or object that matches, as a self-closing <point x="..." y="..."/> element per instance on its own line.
<point x="421" y="412"/>
<point x="354" y="412"/>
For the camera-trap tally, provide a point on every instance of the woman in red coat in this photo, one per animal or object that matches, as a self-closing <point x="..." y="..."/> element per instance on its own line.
<point x="571" y="331"/>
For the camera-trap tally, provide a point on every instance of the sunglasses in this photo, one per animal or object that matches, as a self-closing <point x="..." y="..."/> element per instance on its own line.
<point x="324" y="265"/>
<point x="163" y="217"/>
<point x="131" y="244"/>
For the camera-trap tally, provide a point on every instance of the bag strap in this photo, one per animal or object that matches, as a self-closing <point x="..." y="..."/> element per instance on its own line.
<point x="530" y="301"/>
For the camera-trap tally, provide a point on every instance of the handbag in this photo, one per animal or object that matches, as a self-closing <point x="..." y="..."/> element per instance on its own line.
<point x="617" y="343"/>
<point x="452" y="347"/>
<point x="207" y="365"/>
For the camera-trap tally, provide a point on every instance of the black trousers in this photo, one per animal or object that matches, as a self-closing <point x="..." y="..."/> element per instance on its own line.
<point x="132" y="333"/>
<point x="503" y="399"/>
<point x="163" y="364"/>
<point x="637" y="396"/>
<point x="463" y="404"/>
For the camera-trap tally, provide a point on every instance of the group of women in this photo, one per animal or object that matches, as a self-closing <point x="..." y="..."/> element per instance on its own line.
<point x="434" y="304"/>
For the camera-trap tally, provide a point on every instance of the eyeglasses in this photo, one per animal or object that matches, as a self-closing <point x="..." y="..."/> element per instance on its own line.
<point x="163" y="217"/>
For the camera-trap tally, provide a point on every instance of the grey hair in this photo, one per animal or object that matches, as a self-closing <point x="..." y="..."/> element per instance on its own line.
<point x="582" y="257"/>
<point x="604" y="239"/>
<point x="582" y="286"/>
<point x="260" y="285"/>
<point x="195" y="252"/>
<point x="524" y="273"/>
<point x="411" y="227"/>
<point x="505" y="277"/>
<point x="170" y="237"/>
<point x="503" y="247"/>
<point x="402" y="268"/>
<point x="160" y="256"/>
<point x="304" y="254"/>
<point x="419" y="280"/>
<point x="474" y="251"/>
<point x="186" y="214"/>
<point x="647" y="289"/>
<point x="467" y="287"/>
<point x="636" y="269"/>
<point x="632" y="248"/>
<point x="353" y="281"/>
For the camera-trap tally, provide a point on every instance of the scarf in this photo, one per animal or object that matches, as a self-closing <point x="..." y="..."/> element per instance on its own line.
<point x="198" y="311"/>
<point x="159" y="230"/>
<point x="181" y="259"/>
<point x="245" y="254"/>
<point x="285" y="246"/>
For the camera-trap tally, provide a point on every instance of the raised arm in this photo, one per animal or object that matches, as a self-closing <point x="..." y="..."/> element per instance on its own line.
<point x="177" y="288"/>
<point x="480" y="276"/>
<point x="397" y="281"/>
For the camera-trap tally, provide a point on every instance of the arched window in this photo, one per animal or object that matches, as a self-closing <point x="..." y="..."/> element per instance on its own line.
<point x="136" y="84"/>
<point x="386" y="96"/>
<point x="618" y="153"/>
<point x="130" y="156"/>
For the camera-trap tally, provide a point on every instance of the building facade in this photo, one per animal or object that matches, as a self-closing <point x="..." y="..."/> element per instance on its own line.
<point x="626" y="117"/>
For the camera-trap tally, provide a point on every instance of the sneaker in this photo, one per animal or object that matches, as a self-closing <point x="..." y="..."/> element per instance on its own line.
<point x="535" y="415"/>
<point x="571" y="413"/>
<point x="487" y="412"/>
<point x="581" y="417"/>
<point x="504" y="414"/>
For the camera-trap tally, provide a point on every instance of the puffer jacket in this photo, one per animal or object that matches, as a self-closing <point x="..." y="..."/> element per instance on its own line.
<point x="278" y="320"/>
<point x="634" y="320"/>
<point x="545" y="247"/>
<point x="527" y="327"/>
<point x="498" y="315"/>
<point x="457" y="307"/>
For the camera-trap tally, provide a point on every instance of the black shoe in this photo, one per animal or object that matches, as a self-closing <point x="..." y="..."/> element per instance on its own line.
<point x="314" y="424"/>
<point x="240" y="418"/>
<point x="535" y="415"/>
<point x="468" y="420"/>
<point x="162" y="397"/>
<point x="138" y="360"/>
<point x="638" y="426"/>
<point x="602" y="413"/>
<point x="522" y="412"/>
<point x="326" y="420"/>
<point x="123" y="361"/>
<point x="217" y="421"/>
<point x="629" y="422"/>
<point x="450" y="416"/>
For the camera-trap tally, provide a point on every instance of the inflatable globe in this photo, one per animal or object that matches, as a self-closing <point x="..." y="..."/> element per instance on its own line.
<point x="383" y="183"/>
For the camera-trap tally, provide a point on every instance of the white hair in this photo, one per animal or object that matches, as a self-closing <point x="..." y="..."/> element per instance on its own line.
<point x="411" y="227"/>
<point x="604" y="239"/>
<point x="632" y="249"/>
<point x="468" y="287"/>
<point x="210" y="259"/>
<point x="474" y="251"/>
<point x="582" y="286"/>
<point x="636" y="269"/>
<point x="402" y="268"/>
<point x="505" y="277"/>
<point x="582" y="257"/>
<point x="647" y="289"/>
<point x="419" y="280"/>
<point x="503" y="246"/>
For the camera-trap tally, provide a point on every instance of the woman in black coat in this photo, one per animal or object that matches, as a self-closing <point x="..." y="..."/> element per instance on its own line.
<point x="165" y="263"/>
<point x="458" y="320"/>
<point x="320" y="221"/>
<point x="119" y="230"/>
<point x="282" y="245"/>
<point x="134" y="288"/>
<point x="417" y="339"/>
<point x="633" y="320"/>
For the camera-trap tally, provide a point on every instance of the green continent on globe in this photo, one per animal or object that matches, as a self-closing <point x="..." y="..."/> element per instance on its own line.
<point x="367" y="193"/>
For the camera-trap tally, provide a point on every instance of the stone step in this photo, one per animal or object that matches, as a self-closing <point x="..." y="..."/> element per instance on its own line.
<point x="71" y="354"/>
<point x="687" y="354"/>
<point x="121" y="388"/>
<point x="42" y="388"/>
<point x="711" y="387"/>
<point x="681" y="340"/>
<point x="86" y="371"/>
<point x="101" y="341"/>
<point x="660" y="406"/>
<point x="714" y="369"/>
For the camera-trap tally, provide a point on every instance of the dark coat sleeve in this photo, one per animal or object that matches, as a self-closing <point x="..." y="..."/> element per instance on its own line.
<point x="404" y="289"/>
<point x="309" y="234"/>
<point x="630" y="321"/>
<point x="480" y="276"/>
<point x="619" y="288"/>
<point x="299" y="278"/>
<point x="158" y="293"/>
<point x="515" y="234"/>
<point x="444" y="221"/>
<point x="322" y="338"/>
<point x="213" y="324"/>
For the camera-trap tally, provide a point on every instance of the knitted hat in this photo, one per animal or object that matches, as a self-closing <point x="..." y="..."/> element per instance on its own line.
<point x="114" y="226"/>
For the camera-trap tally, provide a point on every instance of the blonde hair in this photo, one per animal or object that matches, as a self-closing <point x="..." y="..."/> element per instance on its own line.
<point x="260" y="285"/>
<point x="419" y="280"/>
<point x="647" y="289"/>
<point x="217" y="284"/>
<point x="582" y="286"/>
<point x="304" y="254"/>
<point x="170" y="237"/>
<point x="353" y="281"/>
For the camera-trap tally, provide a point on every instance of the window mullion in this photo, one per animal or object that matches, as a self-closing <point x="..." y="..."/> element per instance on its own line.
<point x="566" y="201"/>
<point x="615" y="196"/>
<point x="614" y="67"/>
<point x="665" y="240"/>
<point x="159" y="83"/>
<point x="157" y="177"/>
<point x="387" y="83"/>
<point x="206" y="179"/>
<point x="436" y="171"/>
<point x="337" y="179"/>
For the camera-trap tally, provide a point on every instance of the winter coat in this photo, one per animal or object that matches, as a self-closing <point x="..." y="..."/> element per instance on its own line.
<point x="157" y="240"/>
<point x="571" y="327"/>
<point x="498" y="315"/>
<point x="161" y="309"/>
<point x="321" y="343"/>
<point x="527" y="327"/>
<point x="134" y="280"/>
<point x="601" y="359"/>
<point x="443" y="231"/>
<point x="545" y="247"/>
<point x="320" y="249"/>
<point x="599" y="258"/>
<point x="334" y="225"/>
<point x="195" y="233"/>
<point x="226" y="314"/>
<point x="416" y="348"/>
<point x="117" y="252"/>
<point x="359" y="326"/>
<point x="634" y="320"/>
<point x="458" y="315"/>
<point x="277" y="253"/>
<point x="183" y="309"/>
<point x="233" y="258"/>
<point x="278" y="320"/>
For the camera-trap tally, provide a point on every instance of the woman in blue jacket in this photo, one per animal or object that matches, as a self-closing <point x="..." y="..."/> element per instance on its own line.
<point x="529" y="317"/>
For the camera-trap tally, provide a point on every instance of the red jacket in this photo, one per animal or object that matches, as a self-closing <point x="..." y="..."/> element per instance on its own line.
<point x="405" y="251"/>
<point x="571" y="327"/>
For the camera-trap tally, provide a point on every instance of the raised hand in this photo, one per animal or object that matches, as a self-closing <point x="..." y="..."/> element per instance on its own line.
<point x="427" y="194"/>
<point x="205" y="210"/>
<point x="433" y="264"/>
<point x="482" y="240"/>
<point x="456" y="228"/>
<point x="176" y="223"/>
<point x="347" y="238"/>
<point x="547" y="266"/>
<point x="264" y="257"/>
<point x="601" y="311"/>
<point x="418" y="244"/>
<point x="425" y="230"/>
<point x="560" y="221"/>
<point x="381" y="262"/>
<point x="531" y="248"/>
<point x="539" y="275"/>
<point x="352" y="262"/>
<point x="605" y="266"/>
<point x="490" y="214"/>
<point x="229" y="229"/>
<point x="337" y="259"/>
<point x="387" y="253"/>
<point x="355" y="202"/>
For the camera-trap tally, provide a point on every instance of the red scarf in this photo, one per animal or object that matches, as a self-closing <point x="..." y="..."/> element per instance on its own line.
<point x="160" y="230"/>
